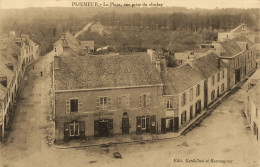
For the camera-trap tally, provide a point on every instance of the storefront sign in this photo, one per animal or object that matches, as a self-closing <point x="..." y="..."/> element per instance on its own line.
<point x="101" y="114"/>
<point x="71" y="117"/>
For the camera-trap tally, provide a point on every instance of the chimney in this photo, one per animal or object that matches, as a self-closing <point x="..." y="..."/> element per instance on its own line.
<point x="192" y="60"/>
<point x="56" y="63"/>
<point x="3" y="81"/>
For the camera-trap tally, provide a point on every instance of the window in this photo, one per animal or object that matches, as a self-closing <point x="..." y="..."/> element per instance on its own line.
<point x="74" y="128"/>
<point x="74" y="105"/>
<point x="223" y="74"/>
<point x="183" y="99"/>
<point x="144" y="100"/>
<point x="169" y="103"/>
<point x="198" y="90"/>
<point x="222" y="87"/>
<point x="213" y="80"/>
<point x="256" y="112"/>
<point x="218" y="77"/>
<point x="103" y="103"/>
<point x="212" y="95"/>
<point x="191" y="94"/>
<point x="123" y="102"/>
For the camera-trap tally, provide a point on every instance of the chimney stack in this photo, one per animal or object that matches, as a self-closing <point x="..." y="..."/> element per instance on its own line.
<point x="192" y="60"/>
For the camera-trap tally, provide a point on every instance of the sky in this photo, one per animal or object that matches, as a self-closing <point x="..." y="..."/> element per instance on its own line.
<point x="208" y="4"/>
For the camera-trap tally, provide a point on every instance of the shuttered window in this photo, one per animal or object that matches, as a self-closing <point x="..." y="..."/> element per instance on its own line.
<point x="67" y="106"/>
<point x="103" y="103"/>
<point x="74" y="105"/>
<point x="169" y="103"/>
<point x="123" y="102"/>
<point x="191" y="94"/>
<point x="183" y="99"/>
<point x="198" y="90"/>
<point x="144" y="100"/>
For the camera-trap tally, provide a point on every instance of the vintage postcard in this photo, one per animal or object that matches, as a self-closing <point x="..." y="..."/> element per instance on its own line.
<point x="127" y="83"/>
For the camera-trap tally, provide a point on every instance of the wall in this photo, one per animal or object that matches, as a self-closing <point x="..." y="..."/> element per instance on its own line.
<point x="189" y="103"/>
<point x="216" y="85"/>
<point x="89" y="112"/>
<point x="224" y="36"/>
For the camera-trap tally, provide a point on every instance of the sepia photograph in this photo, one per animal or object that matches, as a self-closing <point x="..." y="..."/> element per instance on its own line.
<point x="127" y="83"/>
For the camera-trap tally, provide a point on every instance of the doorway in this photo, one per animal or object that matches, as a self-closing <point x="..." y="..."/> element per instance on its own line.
<point x="125" y="125"/>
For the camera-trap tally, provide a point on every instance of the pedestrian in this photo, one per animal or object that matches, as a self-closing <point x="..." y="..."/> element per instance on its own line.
<point x="41" y="73"/>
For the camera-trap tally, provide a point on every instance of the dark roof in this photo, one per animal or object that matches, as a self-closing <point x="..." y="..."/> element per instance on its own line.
<point x="208" y="64"/>
<point x="245" y="39"/>
<point x="68" y="52"/>
<point x="102" y="71"/>
<point x="231" y="48"/>
<point x="181" y="78"/>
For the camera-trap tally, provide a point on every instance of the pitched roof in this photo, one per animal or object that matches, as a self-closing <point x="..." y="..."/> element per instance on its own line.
<point x="231" y="48"/>
<point x="102" y="71"/>
<point x="5" y="71"/>
<point x="68" y="52"/>
<point x="245" y="39"/>
<point x="181" y="78"/>
<point x="71" y="40"/>
<point x="242" y="45"/>
<point x="208" y="64"/>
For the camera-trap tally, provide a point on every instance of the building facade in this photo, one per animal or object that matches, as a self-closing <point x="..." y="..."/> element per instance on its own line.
<point x="183" y="96"/>
<point x="240" y="56"/>
<point x="252" y="105"/>
<point x="98" y="99"/>
<point x="214" y="71"/>
<point x="15" y="55"/>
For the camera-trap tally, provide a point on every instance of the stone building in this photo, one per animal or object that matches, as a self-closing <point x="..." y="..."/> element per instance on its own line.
<point x="183" y="96"/>
<point x="67" y="40"/>
<point x="102" y="96"/>
<point x="15" y="55"/>
<point x="214" y="71"/>
<point x="240" y="56"/>
<point x="252" y="103"/>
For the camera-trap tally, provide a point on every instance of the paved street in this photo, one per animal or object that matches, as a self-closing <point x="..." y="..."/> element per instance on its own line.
<point x="221" y="136"/>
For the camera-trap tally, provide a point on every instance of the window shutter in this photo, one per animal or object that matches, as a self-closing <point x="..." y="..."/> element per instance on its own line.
<point x="80" y="105"/>
<point x="165" y="103"/>
<point x="67" y="106"/>
<point x="119" y="101"/>
<point x="140" y="101"/>
<point x="97" y="104"/>
<point x="148" y="99"/>
<point x="127" y="102"/>
<point x="109" y="103"/>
